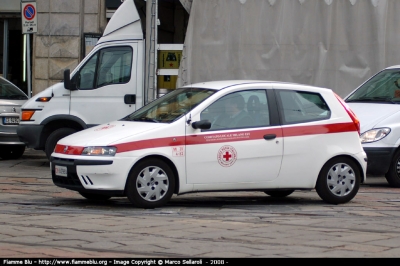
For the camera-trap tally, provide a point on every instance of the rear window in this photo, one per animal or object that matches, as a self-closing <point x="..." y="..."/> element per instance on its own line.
<point x="299" y="107"/>
<point x="9" y="92"/>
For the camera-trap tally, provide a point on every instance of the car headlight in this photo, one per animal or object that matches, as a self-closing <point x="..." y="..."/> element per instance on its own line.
<point x="374" y="134"/>
<point x="99" y="151"/>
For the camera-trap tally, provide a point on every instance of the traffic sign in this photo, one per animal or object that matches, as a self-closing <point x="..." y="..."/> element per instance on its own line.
<point x="29" y="17"/>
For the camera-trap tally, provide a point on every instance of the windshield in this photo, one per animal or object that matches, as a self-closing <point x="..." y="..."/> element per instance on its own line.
<point x="171" y="106"/>
<point x="383" y="87"/>
<point x="9" y="92"/>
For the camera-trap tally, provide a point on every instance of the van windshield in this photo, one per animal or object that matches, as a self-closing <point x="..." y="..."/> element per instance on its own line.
<point x="383" y="87"/>
<point x="171" y="106"/>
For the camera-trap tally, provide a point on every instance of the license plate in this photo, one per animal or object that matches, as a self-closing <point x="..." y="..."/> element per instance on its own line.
<point x="61" y="170"/>
<point x="10" y="120"/>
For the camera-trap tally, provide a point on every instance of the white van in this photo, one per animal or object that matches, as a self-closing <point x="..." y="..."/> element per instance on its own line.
<point x="377" y="104"/>
<point x="107" y="85"/>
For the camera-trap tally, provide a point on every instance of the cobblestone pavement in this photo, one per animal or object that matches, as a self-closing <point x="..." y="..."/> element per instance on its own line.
<point x="38" y="219"/>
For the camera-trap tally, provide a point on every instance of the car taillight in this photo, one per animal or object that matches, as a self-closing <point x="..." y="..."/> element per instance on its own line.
<point x="350" y="112"/>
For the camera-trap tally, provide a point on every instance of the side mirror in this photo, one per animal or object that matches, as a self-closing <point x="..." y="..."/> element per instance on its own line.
<point x="202" y="124"/>
<point x="67" y="81"/>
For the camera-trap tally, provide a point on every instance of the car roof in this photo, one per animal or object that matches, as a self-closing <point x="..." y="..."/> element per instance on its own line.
<point x="393" y="67"/>
<point x="223" y="84"/>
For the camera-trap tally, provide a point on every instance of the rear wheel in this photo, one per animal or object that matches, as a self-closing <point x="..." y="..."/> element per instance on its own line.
<point x="338" y="181"/>
<point x="54" y="137"/>
<point x="393" y="175"/>
<point x="150" y="184"/>
<point x="93" y="196"/>
<point x="279" y="193"/>
<point x="12" y="152"/>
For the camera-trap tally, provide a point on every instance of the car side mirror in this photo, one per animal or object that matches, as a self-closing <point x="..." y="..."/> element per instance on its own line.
<point x="68" y="84"/>
<point x="202" y="124"/>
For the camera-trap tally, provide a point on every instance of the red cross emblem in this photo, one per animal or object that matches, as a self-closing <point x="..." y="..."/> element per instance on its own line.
<point x="227" y="156"/>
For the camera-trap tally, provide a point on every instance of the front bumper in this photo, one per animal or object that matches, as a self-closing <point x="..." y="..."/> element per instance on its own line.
<point x="379" y="160"/>
<point x="31" y="135"/>
<point x="91" y="176"/>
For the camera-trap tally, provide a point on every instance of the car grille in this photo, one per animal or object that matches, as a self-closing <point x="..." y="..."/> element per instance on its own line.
<point x="71" y="181"/>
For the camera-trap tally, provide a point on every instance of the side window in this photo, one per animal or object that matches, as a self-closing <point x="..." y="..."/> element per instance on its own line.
<point x="114" y="66"/>
<point x="299" y="107"/>
<point x="108" y="66"/>
<point x="238" y="110"/>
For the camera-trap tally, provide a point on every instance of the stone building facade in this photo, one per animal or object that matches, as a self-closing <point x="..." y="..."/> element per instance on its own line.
<point x="58" y="44"/>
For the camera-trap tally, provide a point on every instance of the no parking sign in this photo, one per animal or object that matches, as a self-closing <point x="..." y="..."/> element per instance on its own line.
<point x="29" y="17"/>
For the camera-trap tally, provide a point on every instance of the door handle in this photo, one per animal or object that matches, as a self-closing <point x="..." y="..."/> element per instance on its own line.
<point x="130" y="98"/>
<point x="269" y="136"/>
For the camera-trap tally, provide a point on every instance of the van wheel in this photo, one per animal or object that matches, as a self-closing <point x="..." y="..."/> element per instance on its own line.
<point x="393" y="175"/>
<point x="54" y="137"/>
<point x="93" y="196"/>
<point x="279" y="193"/>
<point x="150" y="184"/>
<point x="12" y="152"/>
<point x="338" y="181"/>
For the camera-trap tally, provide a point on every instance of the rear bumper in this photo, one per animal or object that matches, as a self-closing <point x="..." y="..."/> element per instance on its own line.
<point x="8" y="138"/>
<point x="31" y="135"/>
<point x="379" y="160"/>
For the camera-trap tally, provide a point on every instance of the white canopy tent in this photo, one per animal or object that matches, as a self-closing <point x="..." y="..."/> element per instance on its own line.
<point x="336" y="44"/>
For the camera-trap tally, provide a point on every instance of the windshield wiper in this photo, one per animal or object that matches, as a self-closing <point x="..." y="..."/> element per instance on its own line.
<point x="374" y="99"/>
<point x="146" y="119"/>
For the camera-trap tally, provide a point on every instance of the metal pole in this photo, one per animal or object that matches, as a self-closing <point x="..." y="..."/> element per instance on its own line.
<point x="5" y="49"/>
<point x="28" y="62"/>
<point x="155" y="48"/>
<point x="151" y="49"/>
<point x="148" y="47"/>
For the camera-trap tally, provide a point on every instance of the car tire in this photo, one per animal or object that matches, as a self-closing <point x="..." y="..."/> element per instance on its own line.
<point x="279" y="193"/>
<point x="150" y="184"/>
<point x="93" y="196"/>
<point x="393" y="175"/>
<point x="338" y="181"/>
<point x="11" y="152"/>
<point x="54" y="137"/>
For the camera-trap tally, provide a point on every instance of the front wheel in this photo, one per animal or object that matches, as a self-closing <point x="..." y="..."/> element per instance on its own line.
<point x="338" y="181"/>
<point x="54" y="137"/>
<point x="393" y="175"/>
<point x="150" y="184"/>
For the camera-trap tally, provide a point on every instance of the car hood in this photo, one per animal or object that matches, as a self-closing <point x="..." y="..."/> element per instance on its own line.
<point x="371" y="114"/>
<point x="110" y="133"/>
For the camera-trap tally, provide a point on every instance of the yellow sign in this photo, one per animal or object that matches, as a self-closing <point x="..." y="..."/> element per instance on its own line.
<point x="169" y="59"/>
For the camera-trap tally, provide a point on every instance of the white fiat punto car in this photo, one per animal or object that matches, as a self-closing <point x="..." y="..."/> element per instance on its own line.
<point x="219" y="136"/>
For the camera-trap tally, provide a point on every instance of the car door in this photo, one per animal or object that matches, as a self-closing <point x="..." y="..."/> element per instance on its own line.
<point x="308" y="131"/>
<point x="102" y="84"/>
<point x="248" y="151"/>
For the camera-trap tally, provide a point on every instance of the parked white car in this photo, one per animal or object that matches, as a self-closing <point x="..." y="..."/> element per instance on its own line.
<point x="376" y="103"/>
<point x="219" y="136"/>
<point x="11" y="99"/>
